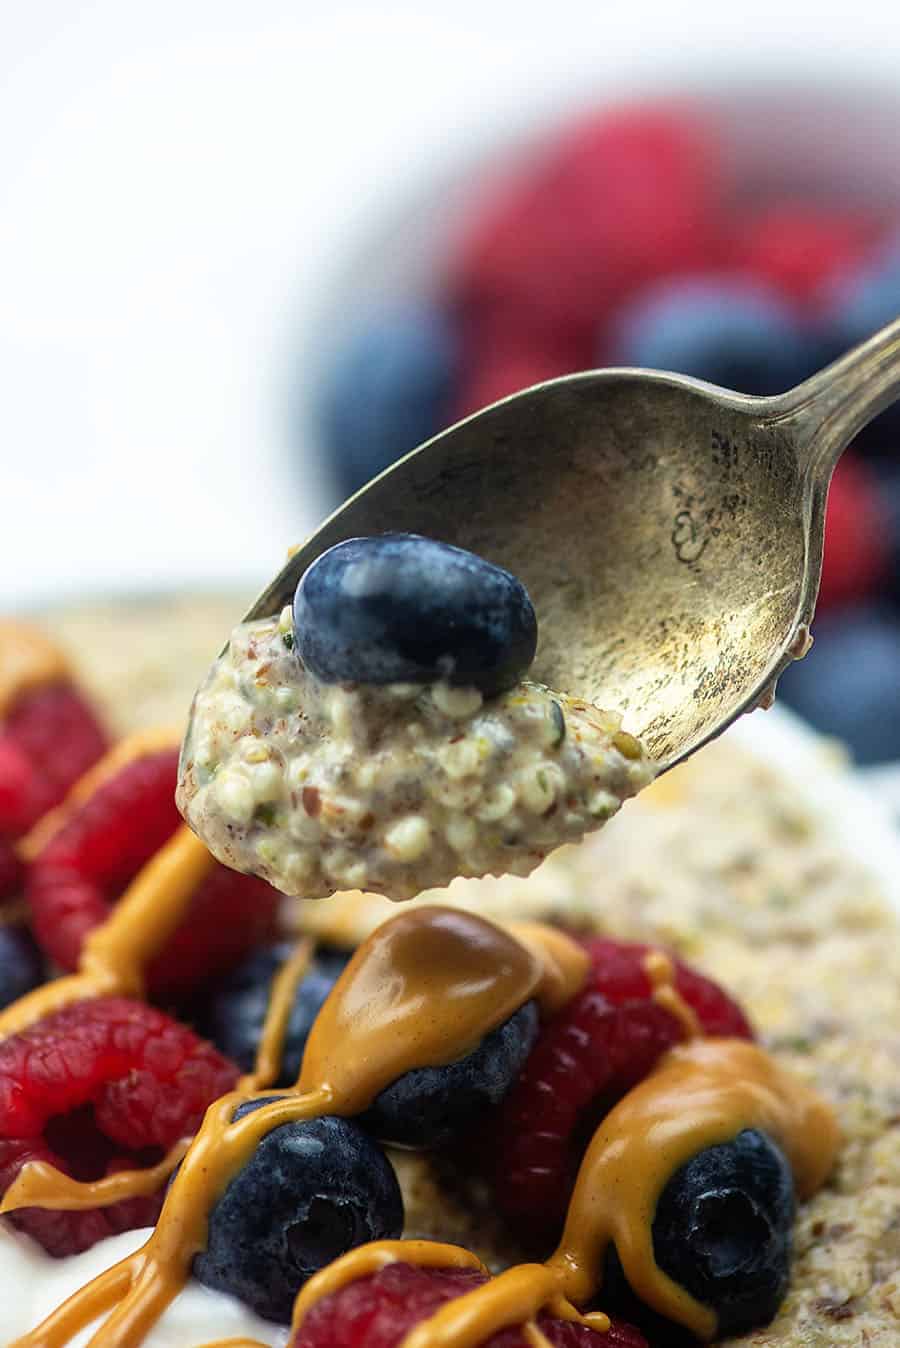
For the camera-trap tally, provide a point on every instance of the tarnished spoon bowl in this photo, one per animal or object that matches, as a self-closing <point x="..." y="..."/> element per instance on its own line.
<point x="669" y="532"/>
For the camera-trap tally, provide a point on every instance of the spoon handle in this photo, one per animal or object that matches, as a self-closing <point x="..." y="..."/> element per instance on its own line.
<point x="824" y="413"/>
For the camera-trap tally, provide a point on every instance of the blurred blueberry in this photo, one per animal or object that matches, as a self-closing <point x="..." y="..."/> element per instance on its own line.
<point x="21" y="963"/>
<point x="388" y="389"/>
<point x="849" y="684"/>
<point x="728" y="330"/>
<point x="888" y="477"/>
<point x="856" y="304"/>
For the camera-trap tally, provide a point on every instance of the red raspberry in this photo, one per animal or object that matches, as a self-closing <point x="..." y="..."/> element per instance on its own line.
<point x="604" y="1042"/>
<point x="619" y="199"/>
<point x="377" y="1311"/>
<point x="798" y="247"/>
<point x="95" y="1087"/>
<point x="50" y="738"/>
<point x="503" y="353"/>
<point x="84" y="868"/>
<point x="12" y="872"/>
<point x="856" y="536"/>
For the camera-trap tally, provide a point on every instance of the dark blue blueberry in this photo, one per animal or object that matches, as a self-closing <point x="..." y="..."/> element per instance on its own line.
<point x="431" y="1105"/>
<point x="723" y="1230"/>
<point x="849" y="684"/>
<point x="854" y="306"/>
<point x="388" y="389"/>
<point x="21" y="964"/>
<point x="311" y="1192"/>
<point x="729" y="331"/>
<point x="403" y="609"/>
<point x="237" y="1011"/>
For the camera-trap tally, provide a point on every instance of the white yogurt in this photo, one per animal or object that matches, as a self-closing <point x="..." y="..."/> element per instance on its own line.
<point x="32" y="1285"/>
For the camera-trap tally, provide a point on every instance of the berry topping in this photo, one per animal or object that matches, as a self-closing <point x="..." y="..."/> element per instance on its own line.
<point x="49" y="739"/>
<point x="311" y="1191"/>
<point x="723" y="1226"/>
<point x="92" y="1089"/>
<point x="616" y="202"/>
<point x="430" y="1105"/>
<point x="21" y="965"/>
<point x="379" y="1310"/>
<point x="856" y="535"/>
<point x="728" y="330"/>
<point x="12" y="872"/>
<point x="797" y="246"/>
<point x="237" y="1012"/>
<point x="604" y="1042"/>
<point x="387" y="390"/>
<point x="84" y="867"/>
<point x="404" y="609"/>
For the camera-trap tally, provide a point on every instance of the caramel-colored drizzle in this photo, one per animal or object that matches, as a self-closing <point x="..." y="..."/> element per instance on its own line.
<point x="28" y="660"/>
<point x="138" y="745"/>
<point x="423" y="990"/>
<point x="40" y="1185"/>
<point x="661" y="972"/>
<point x="116" y="953"/>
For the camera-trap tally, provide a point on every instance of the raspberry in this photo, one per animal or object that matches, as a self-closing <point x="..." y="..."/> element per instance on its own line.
<point x="618" y="200"/>
<point x="57" y="738"/>
<point x="604" y="1042"/>
<point x="378" y="1311"/>
<point x="799" y="247"/>
<point x="503" y="353"/>
<point x="856" y="536"/>
<point x="84" y="868"/>
<point x="93" y="1088"/>
<point x="12" y="872"/>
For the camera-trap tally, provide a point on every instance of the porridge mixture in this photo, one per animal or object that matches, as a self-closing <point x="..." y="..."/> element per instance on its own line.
<point x="397" y="788"/>
<point x="724" y="863"/>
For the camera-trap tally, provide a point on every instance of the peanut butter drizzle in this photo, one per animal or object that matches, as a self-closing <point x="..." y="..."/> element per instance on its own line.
<point x="702" y="1094"/>
<point x="661" y="971"/>
<point x="28" y="660"/>
<point x="423" y="990"/>
<point x="138" y="745"/>
<point x="40" y="1185"/>
<point x="270" y="1049"/>
<point x="116" y="953"/>
<point x="366" y="1260"/>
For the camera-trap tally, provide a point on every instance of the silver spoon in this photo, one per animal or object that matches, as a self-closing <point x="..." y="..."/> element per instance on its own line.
<point x="669" y="532"/>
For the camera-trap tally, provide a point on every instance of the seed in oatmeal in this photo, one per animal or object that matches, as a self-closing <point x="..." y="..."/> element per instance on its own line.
<point x="401" y="609"/>
<point x="364" y="786"/>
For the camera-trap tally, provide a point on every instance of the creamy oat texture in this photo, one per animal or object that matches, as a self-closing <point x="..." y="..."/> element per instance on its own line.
<point x="395" y="789"/>
<point x="724" y="861"/>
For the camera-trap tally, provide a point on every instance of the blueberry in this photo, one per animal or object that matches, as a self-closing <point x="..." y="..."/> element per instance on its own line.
<point x="848" y="685"/>
<point x="728" y="330"/>
<point x="388" y="389"/>
<point x="854" y="306"/>
<point x="405" y="609"/>
<point x="723" y="1229"/>
<point x="237" y="1011"/>
<point x="21" y="964"/>
<point x="310" y="1192"/>
<point x="429" y="1106"/>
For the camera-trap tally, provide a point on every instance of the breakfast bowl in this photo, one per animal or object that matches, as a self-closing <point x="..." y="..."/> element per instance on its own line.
<point x="198" y="1154"/>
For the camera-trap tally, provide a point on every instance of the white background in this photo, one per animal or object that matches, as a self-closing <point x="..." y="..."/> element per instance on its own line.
<point x="179" y="182"/>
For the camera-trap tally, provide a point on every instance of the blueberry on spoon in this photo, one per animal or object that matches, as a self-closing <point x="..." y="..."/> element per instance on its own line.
<point x="400" y="608"/>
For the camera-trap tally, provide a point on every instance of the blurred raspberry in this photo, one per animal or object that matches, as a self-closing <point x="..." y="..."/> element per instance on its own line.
<point x="615" y="201"/>
<point x="797" y="247"/>
<point x="857" y="543"/>
<point x="84" y="868"/>
<point x="59" y="736"/>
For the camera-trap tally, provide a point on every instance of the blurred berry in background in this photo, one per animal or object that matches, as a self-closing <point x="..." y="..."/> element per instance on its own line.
<point x="622" y="241"/>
